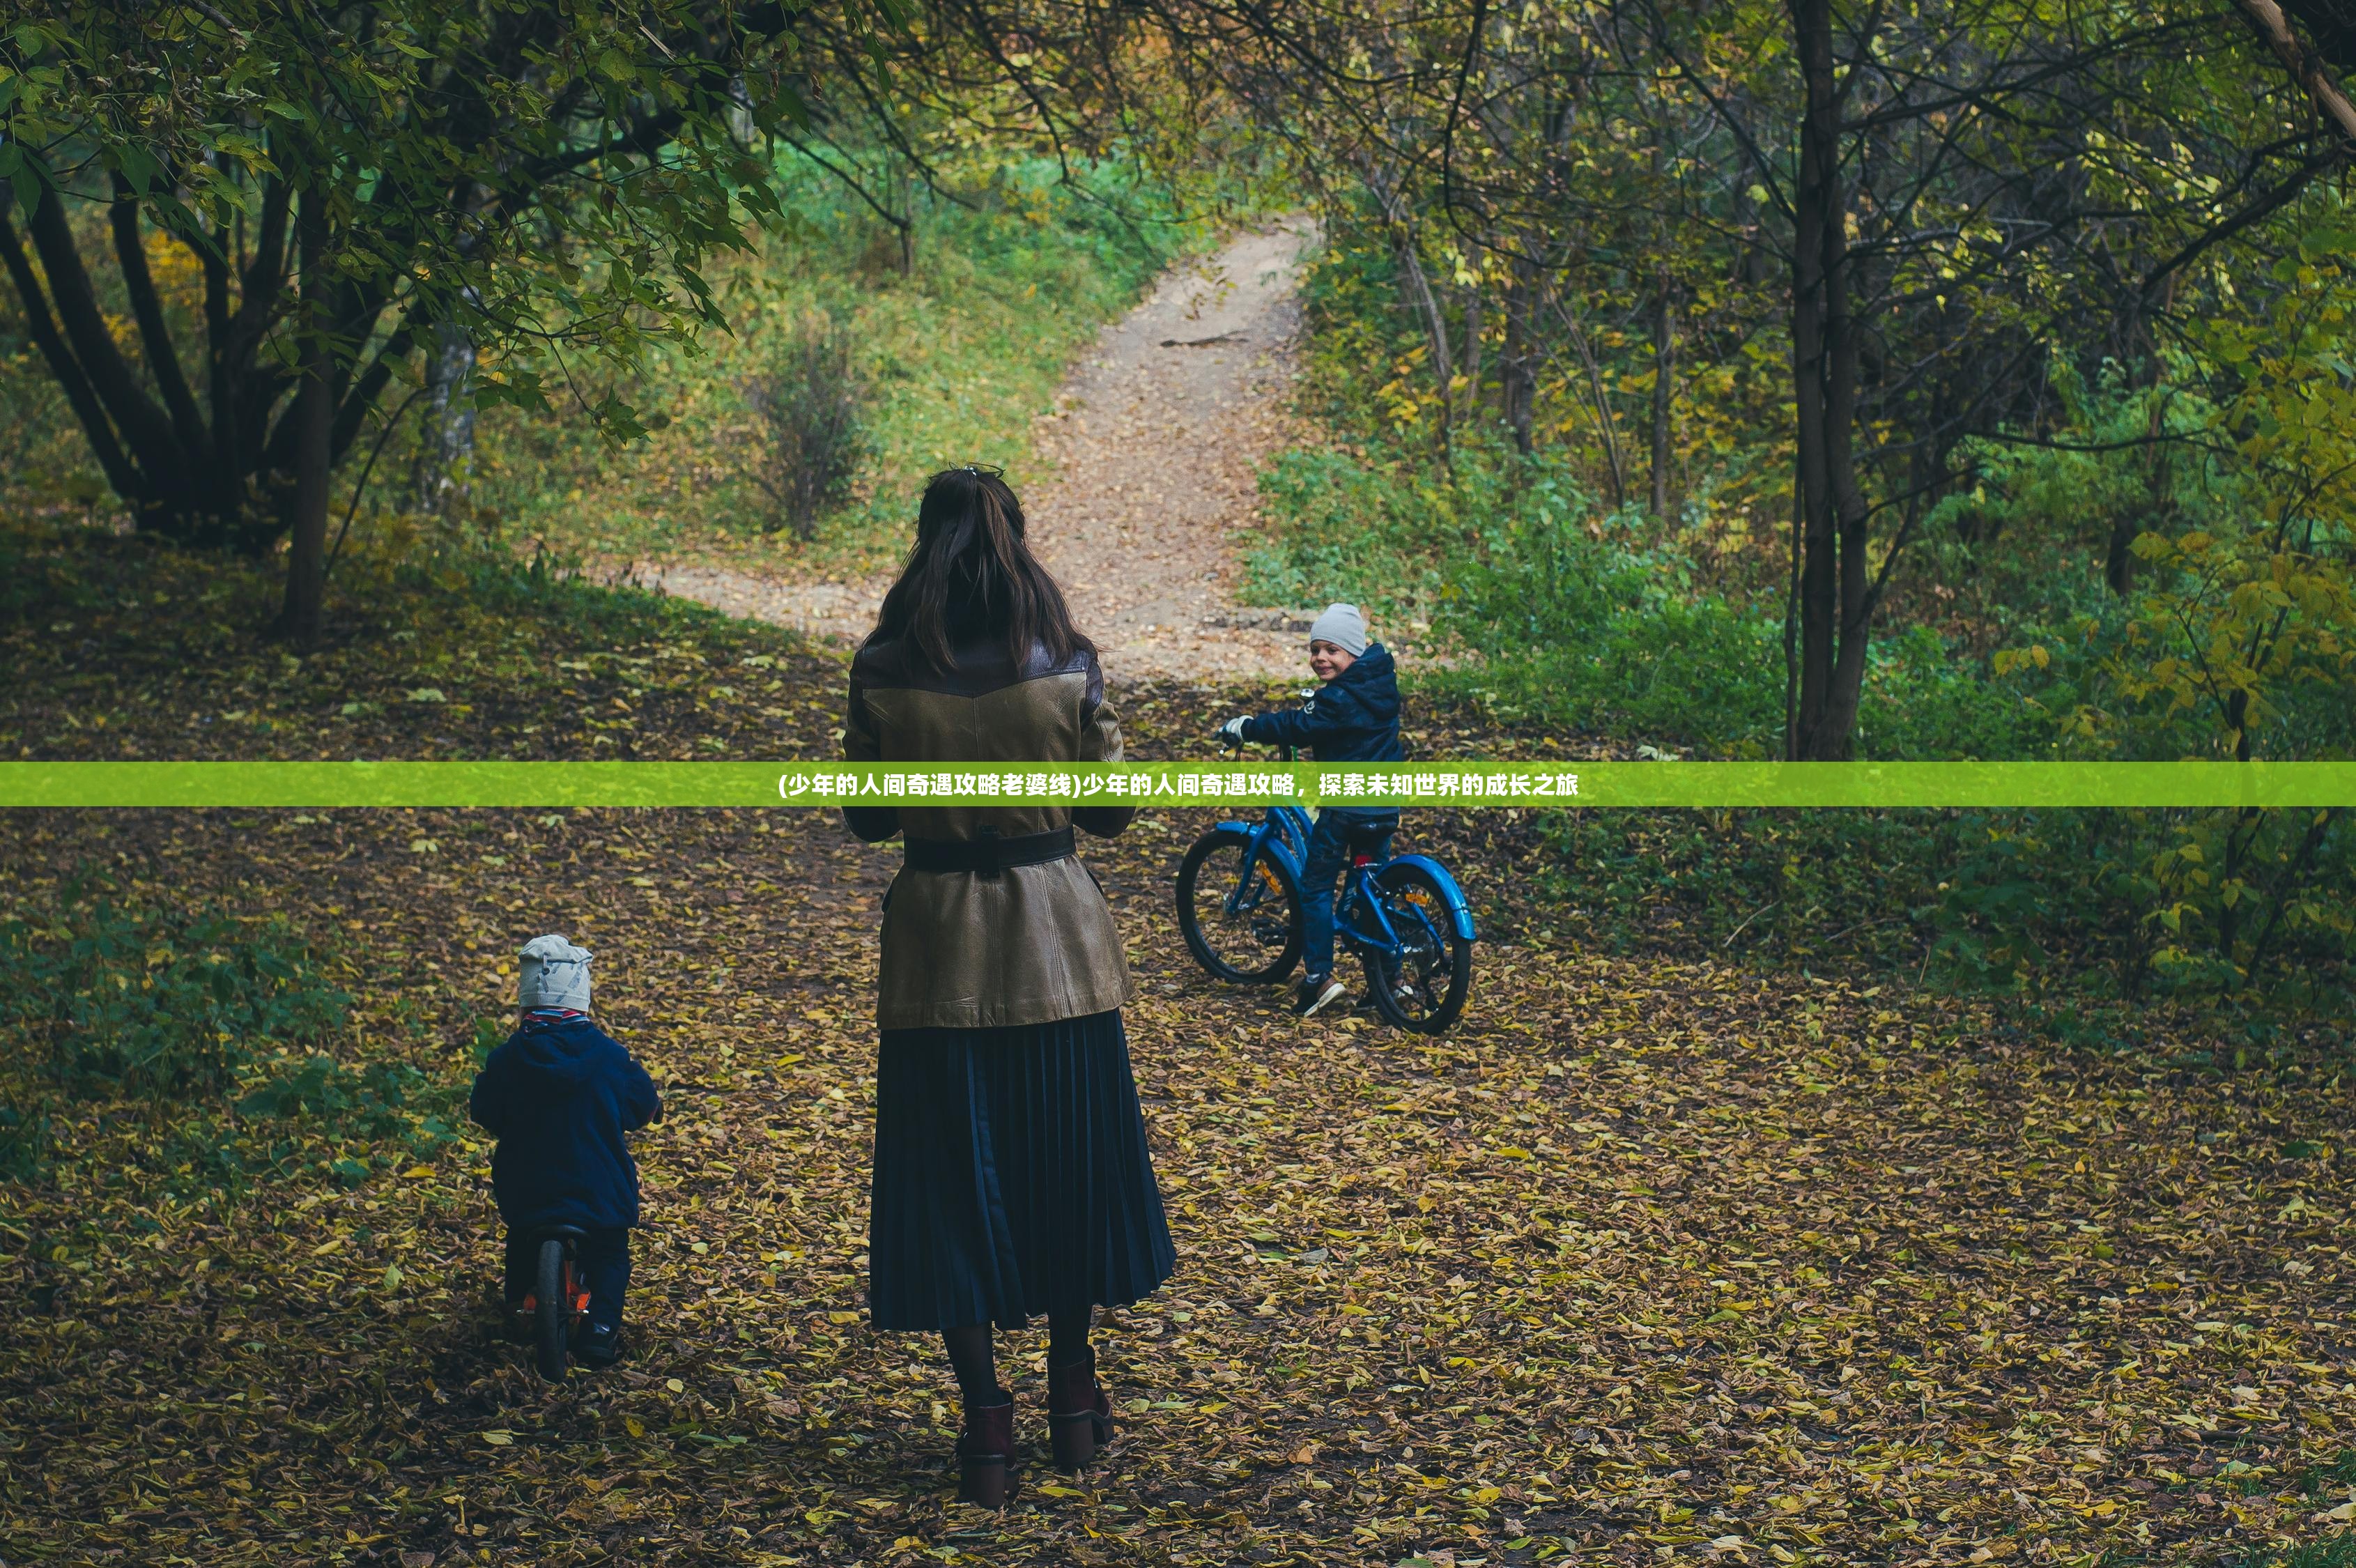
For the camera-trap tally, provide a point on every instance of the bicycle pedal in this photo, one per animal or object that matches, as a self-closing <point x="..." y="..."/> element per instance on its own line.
<point x="529" y="1305"/>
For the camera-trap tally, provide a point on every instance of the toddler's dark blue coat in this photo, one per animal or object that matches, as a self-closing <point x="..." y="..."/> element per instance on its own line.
<point x="1353" y="718"/>
<point x="559" y="1096"/>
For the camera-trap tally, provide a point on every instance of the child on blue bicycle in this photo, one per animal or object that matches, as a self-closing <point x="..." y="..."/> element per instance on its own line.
<point x="561" y="1095"/>
<point x="1353" y="718"/>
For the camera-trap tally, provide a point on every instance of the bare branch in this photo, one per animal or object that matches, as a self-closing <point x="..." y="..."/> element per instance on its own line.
<point x="2306" y="66"/>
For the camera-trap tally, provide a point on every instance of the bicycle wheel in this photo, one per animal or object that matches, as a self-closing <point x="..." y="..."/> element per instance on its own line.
<point x="1422" y="987"/>
<point x="1256" y="940"/>
<point x="552" y="1314"/>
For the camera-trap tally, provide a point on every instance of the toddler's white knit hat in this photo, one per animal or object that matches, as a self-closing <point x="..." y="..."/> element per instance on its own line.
<point x="553" y="973"/>
<point x="1341" y="625"/>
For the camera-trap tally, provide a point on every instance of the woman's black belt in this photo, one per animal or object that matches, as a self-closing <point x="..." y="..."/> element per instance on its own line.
<point x="988" y="854"/>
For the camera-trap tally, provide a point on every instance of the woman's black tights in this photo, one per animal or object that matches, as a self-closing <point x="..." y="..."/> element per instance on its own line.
<point x="975" y="1357"/>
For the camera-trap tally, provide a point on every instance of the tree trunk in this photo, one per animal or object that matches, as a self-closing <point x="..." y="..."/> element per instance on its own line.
<point x="212" y="473"/>
<point x="306" y="554"/>
<point x="449" y="445"/>
<point x="1435" y="330"/>
<point x="905" y="204"/>
<point x="2118" y="561"/>
<point x="1663" y="350"/>
<point x="1473" y="329"/>
<point x="160" y="490"/>
<point x="118" y="466"/>
<point x="2306" y="66"/>
<point x="314" y="417"/>
<point x="1516" y="383"/>
<point x="1607" y="424"/>
<point x="1836" y="597"/>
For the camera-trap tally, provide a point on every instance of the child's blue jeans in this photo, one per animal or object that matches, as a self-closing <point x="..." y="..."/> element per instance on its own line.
<point x="602" y="1256"/>
<point x="1330" y="844"/>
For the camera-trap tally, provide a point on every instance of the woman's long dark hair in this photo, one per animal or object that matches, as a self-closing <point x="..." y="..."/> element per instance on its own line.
<point x="972" y="573"/>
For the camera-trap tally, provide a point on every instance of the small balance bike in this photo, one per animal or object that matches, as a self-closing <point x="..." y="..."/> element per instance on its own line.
<point x="559" y="1301"/>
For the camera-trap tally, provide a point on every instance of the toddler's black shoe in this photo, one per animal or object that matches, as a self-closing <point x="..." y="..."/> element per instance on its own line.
<point x="1315" y="992"/>
<point x="600" y="1345"/>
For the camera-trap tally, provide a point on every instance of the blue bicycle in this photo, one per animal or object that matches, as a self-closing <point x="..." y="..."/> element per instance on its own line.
<point x="1239" y="910"/>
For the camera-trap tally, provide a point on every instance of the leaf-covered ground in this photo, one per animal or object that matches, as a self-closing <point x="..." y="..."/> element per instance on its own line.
<point x="1647" y="1261"/>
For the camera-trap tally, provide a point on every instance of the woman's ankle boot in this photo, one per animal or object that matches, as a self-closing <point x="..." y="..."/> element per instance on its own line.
<point x="1079" y="1416"/>
<point x="986" y="1453"/>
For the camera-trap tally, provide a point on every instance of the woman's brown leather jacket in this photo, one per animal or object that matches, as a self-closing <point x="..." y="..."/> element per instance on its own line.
<point x="982" y="948"/>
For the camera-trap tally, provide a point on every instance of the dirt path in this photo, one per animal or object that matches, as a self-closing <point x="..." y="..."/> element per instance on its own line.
<point x="1154" y="443"/>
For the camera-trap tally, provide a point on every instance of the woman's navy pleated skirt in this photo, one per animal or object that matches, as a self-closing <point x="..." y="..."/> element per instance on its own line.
<point x="1012" y="1177"/>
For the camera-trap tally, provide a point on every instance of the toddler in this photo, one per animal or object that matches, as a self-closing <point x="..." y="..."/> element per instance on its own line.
<point x="561" y="1095"/>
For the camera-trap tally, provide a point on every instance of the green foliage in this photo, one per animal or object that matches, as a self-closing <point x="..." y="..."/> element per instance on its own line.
<point x="2022" y="549"/>
<point x="200" y="110"/>
<point x="321" y="1087"/>
<point x="208" y="1029"/>
<point x="2340" y="1472"/>
<point x="1578" y="623"/>
<point x="1577" y="613"/>
<point x="156" y="1002"/>
<point x="1368" y="374"/>
<point x="25" y="1136"/>
<point x="48" y="460"/>
<point x="488" y="1037"/>
<point x="2244" y="639"/>
<point x="550" y="185"/>
<point x="1581" y="619"/>
<point x="2236" y="638"/>
<point x="1573" y="620"/>
<point x="1341" y="527"/>
<point x="375" y="1104"/>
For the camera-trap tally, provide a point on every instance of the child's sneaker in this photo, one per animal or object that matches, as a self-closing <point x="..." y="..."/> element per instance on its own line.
<point x="1316" y="992"/>
<point x="600" y="1345"/>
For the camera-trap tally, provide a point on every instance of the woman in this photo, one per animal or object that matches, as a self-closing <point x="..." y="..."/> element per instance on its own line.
<point x="1012" y="1177"/>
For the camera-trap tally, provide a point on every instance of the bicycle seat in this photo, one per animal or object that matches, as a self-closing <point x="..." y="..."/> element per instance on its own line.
<point x="565" y="1233"/>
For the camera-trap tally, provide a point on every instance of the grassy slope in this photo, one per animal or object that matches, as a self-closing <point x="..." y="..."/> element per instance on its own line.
<point x="1646" y="1255"/>
<point x="960" y="355"/>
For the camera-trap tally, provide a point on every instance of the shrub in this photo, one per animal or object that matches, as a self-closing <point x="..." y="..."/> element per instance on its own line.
<point x="808" y="434"/>
<point x="376" y="1103"/>
<point x="1586" y="629"/>
<point x="168" y="1016"/>
<point x="156" y="1002"/>
<point x="1341" y="527"/>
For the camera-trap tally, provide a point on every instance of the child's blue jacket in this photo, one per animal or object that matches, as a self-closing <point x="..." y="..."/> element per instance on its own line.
<point x="1353" y="718"/>
<point x="559" y="1096"/>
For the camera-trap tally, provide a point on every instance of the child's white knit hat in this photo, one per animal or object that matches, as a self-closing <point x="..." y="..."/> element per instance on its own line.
<point x="552" y="973"/>
<point x="1341" y="625"/>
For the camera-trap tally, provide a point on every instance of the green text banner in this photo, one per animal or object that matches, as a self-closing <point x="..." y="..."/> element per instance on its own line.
<point x="1527" y="785"/>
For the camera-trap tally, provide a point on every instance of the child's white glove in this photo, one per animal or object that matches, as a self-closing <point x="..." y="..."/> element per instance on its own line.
<point x="1232" y="732"/>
